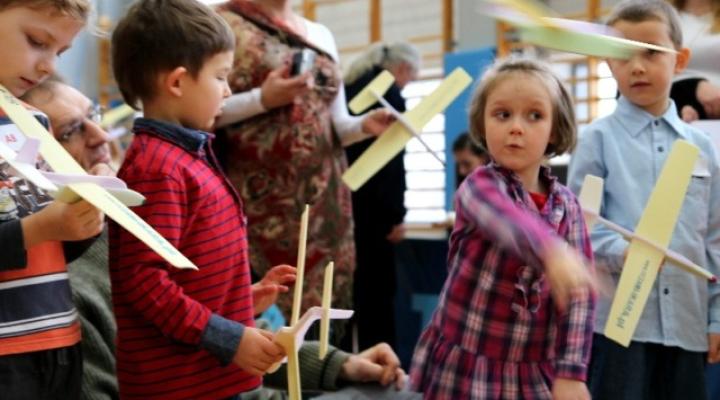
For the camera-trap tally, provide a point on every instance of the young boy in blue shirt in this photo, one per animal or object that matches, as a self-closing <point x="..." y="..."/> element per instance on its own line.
<point x="681" y="320"/>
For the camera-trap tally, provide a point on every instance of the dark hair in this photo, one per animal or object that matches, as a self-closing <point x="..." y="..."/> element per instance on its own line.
<point x="464" y="142"/>
<point x="649" y="10"/>
<point x="78" y="9"/>
<point x="156" y="36"/>
<point x="563" y="134"/>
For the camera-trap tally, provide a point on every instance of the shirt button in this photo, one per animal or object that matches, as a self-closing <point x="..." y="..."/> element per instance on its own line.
<point x="656" y="122"/>
<point x="666" y="291"/>
<point x="661" y="149"/>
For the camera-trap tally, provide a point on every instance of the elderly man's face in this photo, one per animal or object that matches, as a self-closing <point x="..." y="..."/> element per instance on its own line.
<point x="75" y="125"/>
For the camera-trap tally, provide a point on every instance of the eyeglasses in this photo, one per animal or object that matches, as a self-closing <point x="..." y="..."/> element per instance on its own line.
<point x="77" y="129"/>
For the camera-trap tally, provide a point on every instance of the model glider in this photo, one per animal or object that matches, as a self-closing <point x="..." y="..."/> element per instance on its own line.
<point x="292" y="337"/>
<point x="538" y="25"/>
<point x="73" y="182"/>
<point x="648" y="244"/>
<point x="407" y="126"/>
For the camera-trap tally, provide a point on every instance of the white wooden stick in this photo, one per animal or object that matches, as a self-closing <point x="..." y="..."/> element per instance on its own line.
<point x="300" y="267"/>
<point x="326" y="300"/>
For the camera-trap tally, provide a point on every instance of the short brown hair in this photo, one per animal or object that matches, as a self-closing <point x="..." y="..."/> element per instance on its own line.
<point x="156" y="36"/>
<point x="649" y="10"/>
<point x="564" y="131"/>
<point x="78" y="9"/>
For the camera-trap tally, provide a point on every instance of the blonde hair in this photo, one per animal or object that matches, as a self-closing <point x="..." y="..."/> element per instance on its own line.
<point x="78" y="9"/>
<point x="384" y="56"/>
<point x="715" y="5"/>
<point x="564" y="131"/>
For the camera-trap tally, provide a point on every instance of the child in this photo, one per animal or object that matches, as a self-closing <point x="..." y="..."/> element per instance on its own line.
<point x="181" y="333"/>
<point x="628" y="149"/>
<point x="497" y="332"/>
<point x="39" y="327"/>
<point x="468" y="156"/>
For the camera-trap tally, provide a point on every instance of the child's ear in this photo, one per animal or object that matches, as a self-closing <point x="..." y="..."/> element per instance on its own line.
<point x="682" y="59"/>
<point x="173" y="81"/>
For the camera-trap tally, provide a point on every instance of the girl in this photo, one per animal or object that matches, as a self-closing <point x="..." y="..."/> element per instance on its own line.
<point x="498" y="333"/>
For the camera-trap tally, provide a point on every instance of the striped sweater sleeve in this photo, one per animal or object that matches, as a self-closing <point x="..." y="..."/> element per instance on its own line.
<point x="142" y="278"/>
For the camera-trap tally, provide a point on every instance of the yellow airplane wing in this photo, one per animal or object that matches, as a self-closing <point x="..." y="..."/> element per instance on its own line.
<point x="656" y="225"/>
<point x="365" y="98"/>
<point x="392" y="141"/>
<point x="60" y="161"/>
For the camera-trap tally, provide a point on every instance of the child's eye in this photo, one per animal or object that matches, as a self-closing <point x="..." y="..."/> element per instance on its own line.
<point x="535" y="116"/>
<point x="651" y="52"/>
<point x="502" y="114"/>
<point x="35" y="43"/>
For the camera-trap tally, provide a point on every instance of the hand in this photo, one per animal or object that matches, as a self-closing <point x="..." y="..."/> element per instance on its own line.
<point x="63" y="222"/>
<point x="566" y="272"/>
<point x="689" y="114"/>
<point x="714" y="350"/>
<point x="376" y="364"/>
<point x="569" y="389"/>
<point x="274" y="282"/>
<point x="257" y="351"/>
<point x="709" y="96"/>
<point x="278" y="90"/>
<point x="397" y="234"/>
<point x="377" y="121"/>
<point x="101" y="169"/>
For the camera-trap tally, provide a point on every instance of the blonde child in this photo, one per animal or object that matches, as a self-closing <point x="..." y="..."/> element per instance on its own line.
<point x="679" y="328"/>
<point x="39" y="327"/>
<point x="515" y="315"/>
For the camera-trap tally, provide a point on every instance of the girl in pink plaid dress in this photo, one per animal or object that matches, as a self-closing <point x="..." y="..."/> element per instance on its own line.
<point x="515" y="317"/>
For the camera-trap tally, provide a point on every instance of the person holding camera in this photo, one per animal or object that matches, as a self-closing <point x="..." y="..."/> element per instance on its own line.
<point x="281" y="142"/>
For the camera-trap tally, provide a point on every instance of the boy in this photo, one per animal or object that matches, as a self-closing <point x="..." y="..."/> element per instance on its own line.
<point x="39" y="328"/>
<point x="681" y="320"/>
<point x="181" y="333"/>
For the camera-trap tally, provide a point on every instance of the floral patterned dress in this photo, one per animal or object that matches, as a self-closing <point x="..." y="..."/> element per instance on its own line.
<point x="288" y="157"/>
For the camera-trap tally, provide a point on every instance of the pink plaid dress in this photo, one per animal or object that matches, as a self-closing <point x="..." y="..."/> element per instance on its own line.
<point x="495" y="333"/>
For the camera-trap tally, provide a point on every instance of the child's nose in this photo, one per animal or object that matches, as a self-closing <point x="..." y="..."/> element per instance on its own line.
<point x="636" y="65"/>
<point x="516" y="126"/>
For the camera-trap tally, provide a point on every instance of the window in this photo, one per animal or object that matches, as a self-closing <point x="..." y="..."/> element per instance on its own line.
<point x="425" y="195"/>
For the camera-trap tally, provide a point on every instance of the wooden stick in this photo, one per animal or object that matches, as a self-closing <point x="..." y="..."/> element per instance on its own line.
<point x="302" y="243"/>
<point x="326" y="300"/>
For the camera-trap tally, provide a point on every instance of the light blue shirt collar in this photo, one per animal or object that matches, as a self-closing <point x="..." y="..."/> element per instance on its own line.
<point x="635" y="119"/>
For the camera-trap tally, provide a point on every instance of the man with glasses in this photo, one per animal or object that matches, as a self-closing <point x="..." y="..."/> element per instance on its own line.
<point x="75" y="122"/>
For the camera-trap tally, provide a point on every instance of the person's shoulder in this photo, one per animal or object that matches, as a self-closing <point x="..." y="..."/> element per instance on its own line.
<point x="702" y="140"/>
<point x="150" y="155"/>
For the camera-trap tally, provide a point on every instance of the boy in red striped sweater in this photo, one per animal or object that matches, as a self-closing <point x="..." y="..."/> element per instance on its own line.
<point x="181" y="333"/>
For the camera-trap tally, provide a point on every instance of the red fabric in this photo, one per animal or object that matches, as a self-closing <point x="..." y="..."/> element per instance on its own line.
<point x="539" y="199"/>
<point x="162" y="311"/>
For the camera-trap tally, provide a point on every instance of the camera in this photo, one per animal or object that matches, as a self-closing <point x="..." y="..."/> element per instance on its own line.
<point x="302" y="61"/>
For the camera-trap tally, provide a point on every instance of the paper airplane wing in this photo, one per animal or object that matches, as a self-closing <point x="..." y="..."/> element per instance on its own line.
<point x="61" y="162"/>
<point x="396" y="137"/>
<point x="656" y="225"/>
<point x="591" y="198"/>
<point x="365" y="98"/>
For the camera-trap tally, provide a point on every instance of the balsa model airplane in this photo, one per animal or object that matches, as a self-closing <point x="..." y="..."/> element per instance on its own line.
<point x="590" y="198"/>
<point x="74" y="183"/>
<point x="292" y="337"/>
<point x="407" y="126"/>
<point x="539" y="25"/>
<point x="648" y="244"/>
